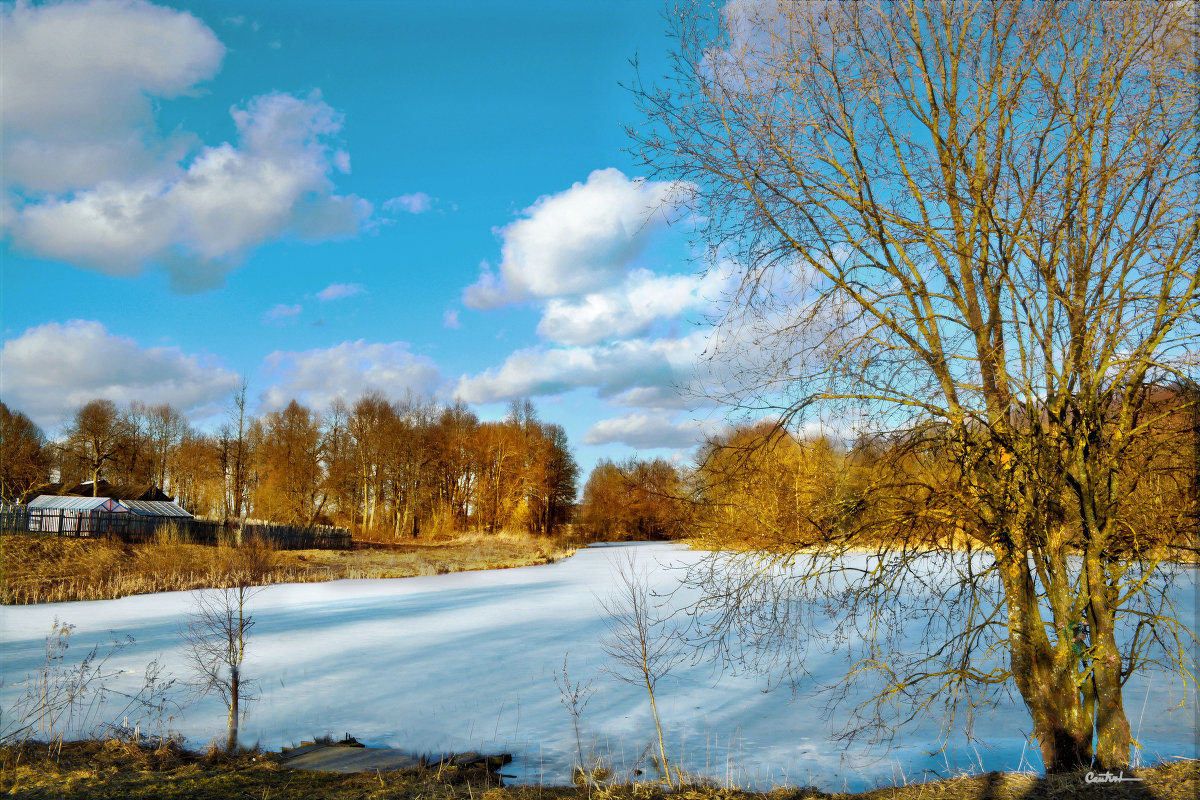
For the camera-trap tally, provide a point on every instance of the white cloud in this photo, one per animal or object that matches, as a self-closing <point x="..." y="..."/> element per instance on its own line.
<point x="51" y="370"/>
<point x="611" y="369"/>
<point x="337" y="291"/>
<point x="77" y="83"/>
<point x="576" y="241"/>
<point x="199" y="224"/>
<point x="417" y="203"/>
<point x="90" y="67"/>
<point x="647" y="430"/>
<point x="316" y="377"/>
<point x="627" y="310"/>
<point x="760" y="35"/>
<point x="609" y="325"/>
<point x="487" y="291"/>
<point x="450" y="319"/>
<point x="282" y="312"/>
<point x="678" y="396"/>
<point x="91" y="181"/>
<point x="61" y="164"/>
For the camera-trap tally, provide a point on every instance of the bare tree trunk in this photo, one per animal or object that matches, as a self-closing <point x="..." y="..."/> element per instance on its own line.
<point x="662" y="749"/>
<point x="235" y="693"/>
<point x="239" y="454"/>
<point x="1046" y="681"/>
<point x="975" y="219"/>
<point x="216" y="636"/>
<point x="1113" y="738"/>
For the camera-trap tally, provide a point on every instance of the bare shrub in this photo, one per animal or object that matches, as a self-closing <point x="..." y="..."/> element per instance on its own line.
<point x="78" y="698"/>
<point x="574" y="697"/>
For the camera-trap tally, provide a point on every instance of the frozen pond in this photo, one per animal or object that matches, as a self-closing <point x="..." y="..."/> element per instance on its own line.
<point x="467" y="662"/>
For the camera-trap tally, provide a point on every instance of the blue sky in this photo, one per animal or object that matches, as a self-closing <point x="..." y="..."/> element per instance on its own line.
<point x="336" y="197"/>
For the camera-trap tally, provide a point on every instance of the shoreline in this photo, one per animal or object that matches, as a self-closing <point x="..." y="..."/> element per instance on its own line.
<point x="87" y="769"/>
<point x="37" y="569"/>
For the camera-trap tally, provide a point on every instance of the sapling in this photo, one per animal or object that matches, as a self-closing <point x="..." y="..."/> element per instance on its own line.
<point x="640" y="640"/>
<point x="217" y="632"/>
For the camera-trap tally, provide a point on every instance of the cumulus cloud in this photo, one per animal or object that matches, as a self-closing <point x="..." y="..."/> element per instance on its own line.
<point x="628" y="309"/>
<point x="89" y="180"/>
<point x="316" y="377"/>
<point x="417" y="203"/>
<point x="58" y="165"/>
<point x="611" y="368"/>
<point x="575" y="241"/>
<point x="51" y="370"/>
<point x="78" y="78"/>
<point x="647" y="430"/>
<point x="609" y="324"/>
<point x="199" y="224"/>
<point x="450" y="319"/>
<point x="337" y="291"/>
<point x="90" y="67"/>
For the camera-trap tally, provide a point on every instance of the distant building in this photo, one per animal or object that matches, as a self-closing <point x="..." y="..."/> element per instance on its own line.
<point x="101" y="489"/>
<point x="82" y="514"/>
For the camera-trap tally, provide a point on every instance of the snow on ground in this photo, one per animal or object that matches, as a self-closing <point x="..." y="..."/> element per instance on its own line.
<point x="467" y="662"/>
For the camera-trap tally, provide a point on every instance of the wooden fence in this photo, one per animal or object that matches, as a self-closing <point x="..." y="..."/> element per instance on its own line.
<point x="128" y="527"/>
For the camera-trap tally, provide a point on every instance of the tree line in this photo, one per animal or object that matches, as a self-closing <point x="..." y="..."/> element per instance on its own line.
<point x="758" y="486"/>
<point x="383" y="467"/>
<point x="400" y="468"/>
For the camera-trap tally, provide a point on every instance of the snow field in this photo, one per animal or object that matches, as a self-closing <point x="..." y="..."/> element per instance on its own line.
<point x="466" y="661"/>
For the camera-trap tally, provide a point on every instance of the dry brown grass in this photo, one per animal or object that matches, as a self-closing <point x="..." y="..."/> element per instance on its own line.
<point x="112" y="769"/>
<point x="1179" y="780"/>
<point x="47" y="569"/>
<point x="118" y="769"/>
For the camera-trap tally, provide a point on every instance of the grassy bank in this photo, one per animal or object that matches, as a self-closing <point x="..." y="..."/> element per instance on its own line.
<point x="48" y="569"/>
<point x="111" y="769"/>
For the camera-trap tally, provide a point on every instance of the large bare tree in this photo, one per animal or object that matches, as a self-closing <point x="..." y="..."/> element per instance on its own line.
<point x="291" y="466"/>
<point x="24" y="460"/>
<point x="969" y="225"/>
<point x="95" y="438"/>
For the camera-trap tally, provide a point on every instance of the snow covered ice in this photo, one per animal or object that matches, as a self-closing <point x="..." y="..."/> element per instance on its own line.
<point x="466" y="661"/>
